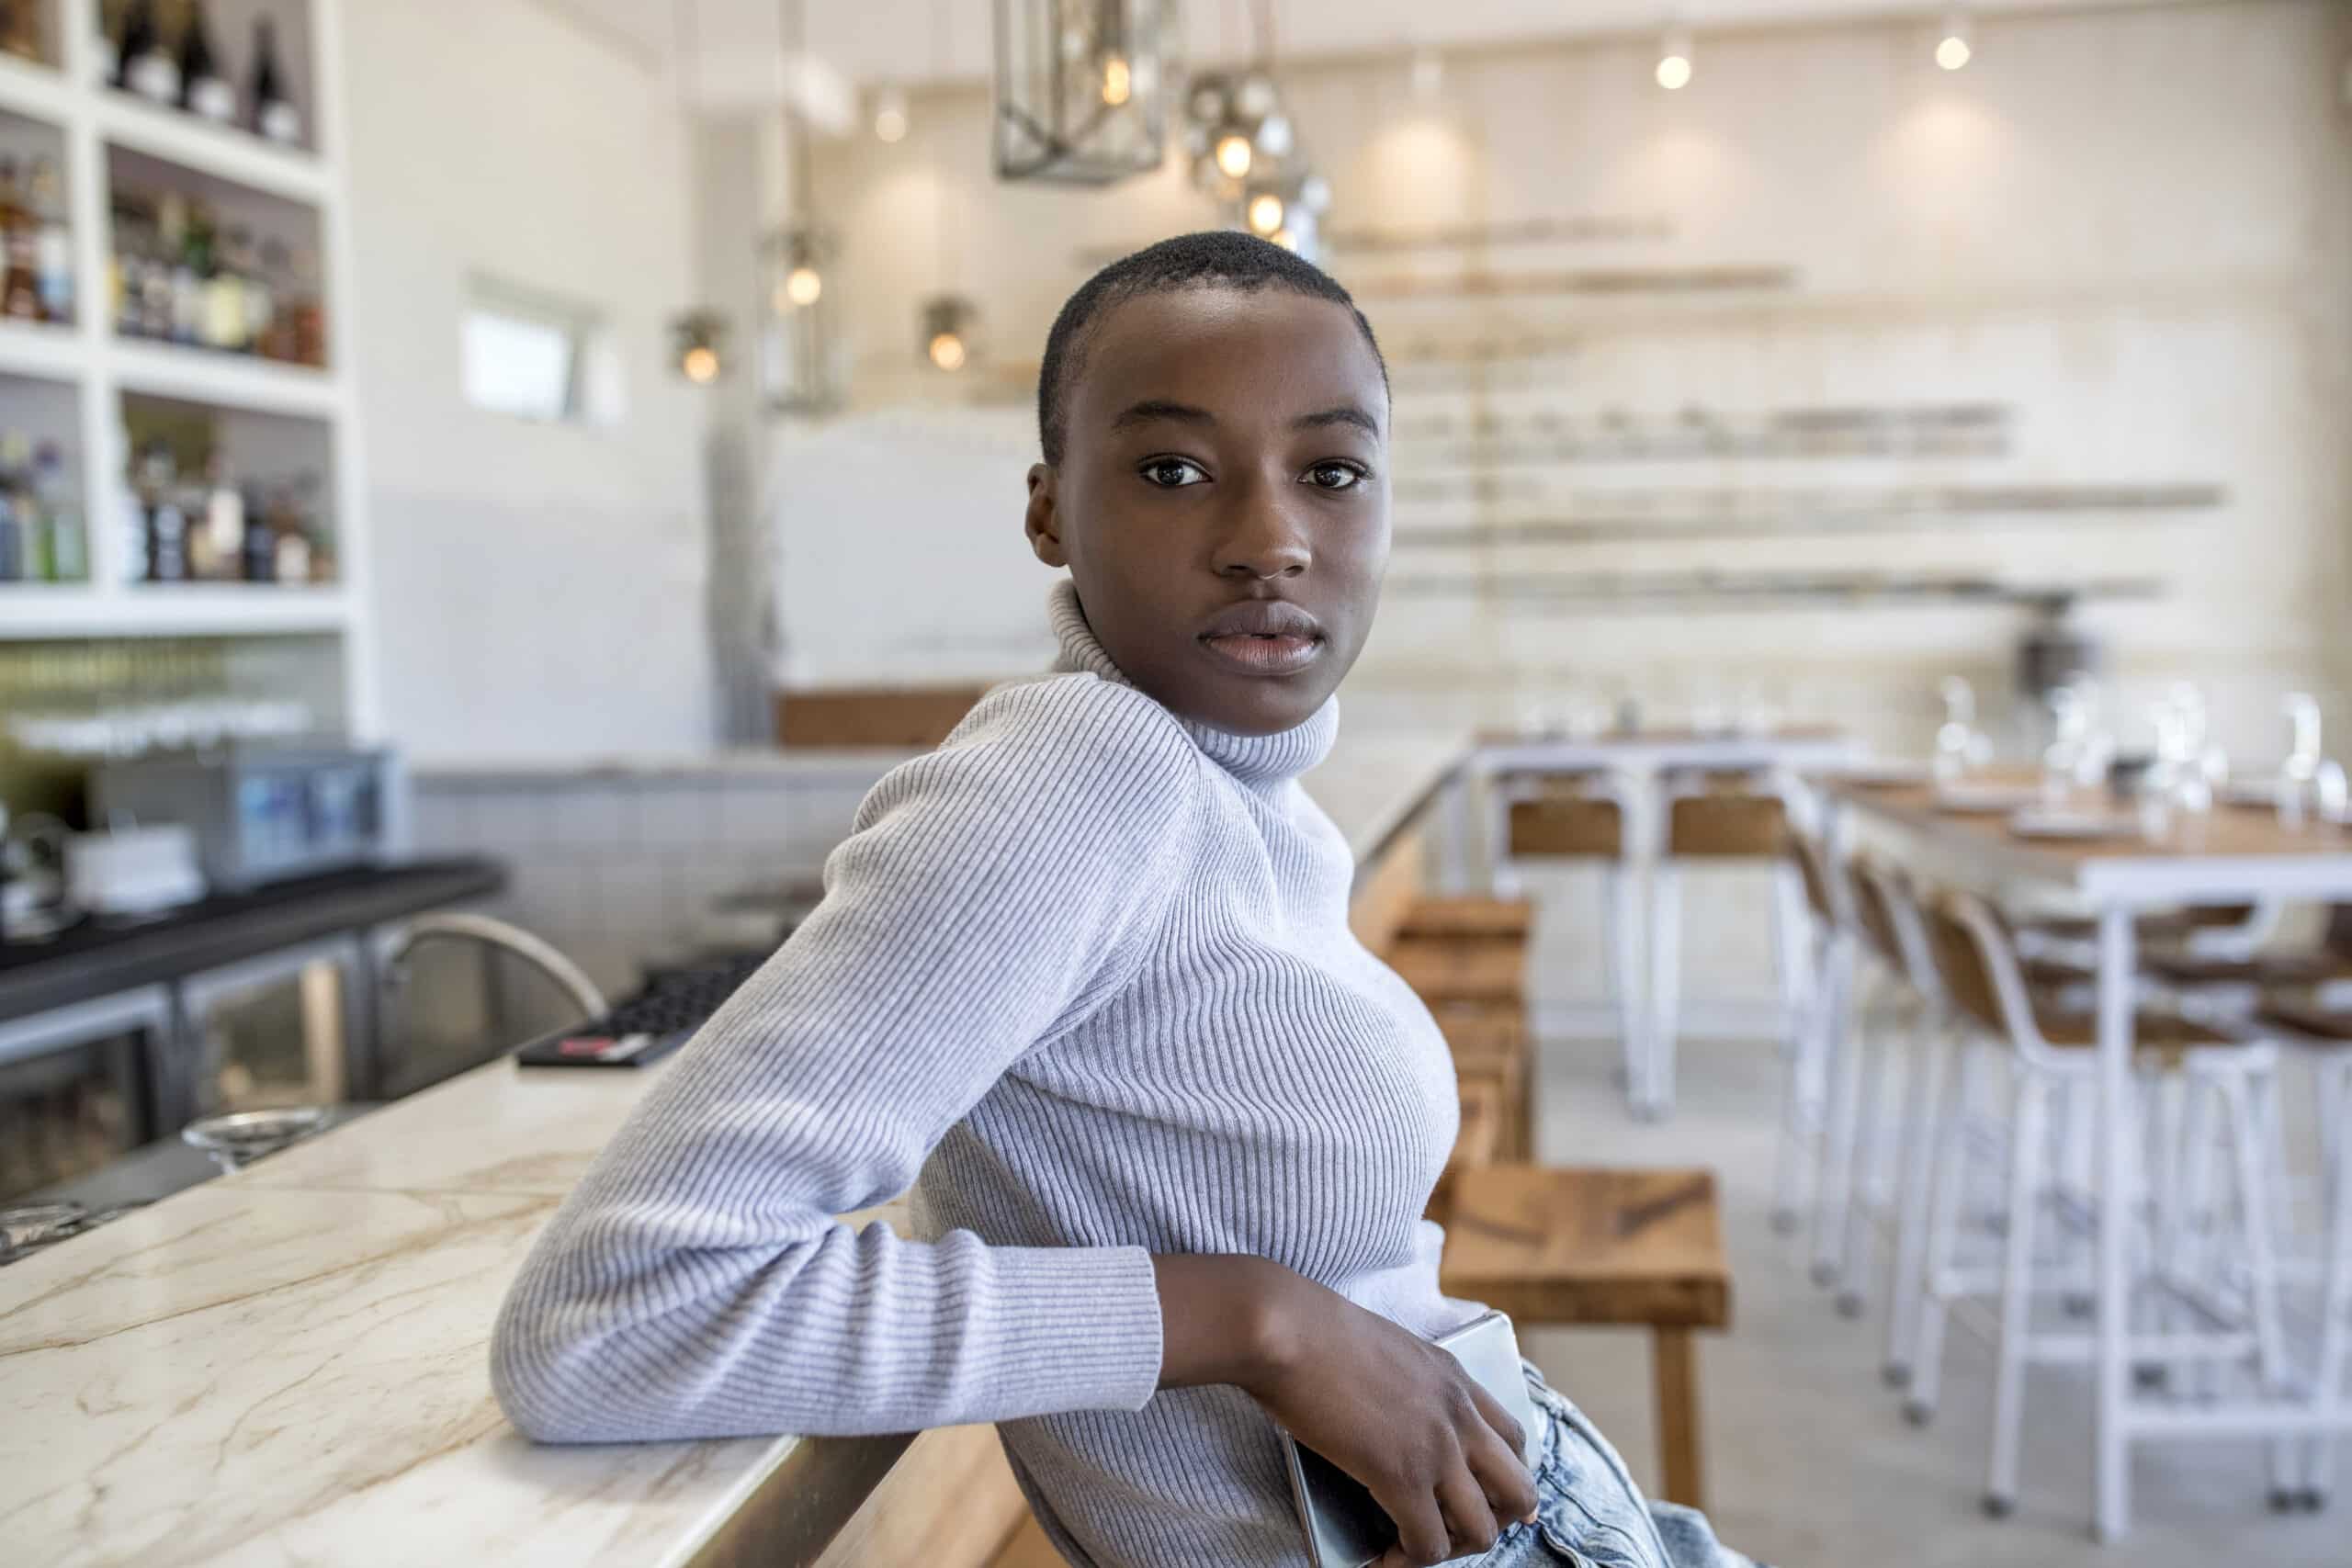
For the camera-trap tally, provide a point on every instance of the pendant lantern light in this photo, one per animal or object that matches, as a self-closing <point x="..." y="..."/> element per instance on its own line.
<point x="1081" y="89"/>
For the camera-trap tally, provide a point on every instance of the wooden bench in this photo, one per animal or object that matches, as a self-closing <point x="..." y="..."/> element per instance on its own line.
<point x="1472" y="916"/>
<point x="1491" y="1052"/>
<point x="1577" y="1246"/>
<point x="1462" y="969"/>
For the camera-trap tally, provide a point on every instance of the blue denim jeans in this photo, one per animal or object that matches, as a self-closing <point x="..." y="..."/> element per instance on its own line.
<point x="1588" y="1513"/>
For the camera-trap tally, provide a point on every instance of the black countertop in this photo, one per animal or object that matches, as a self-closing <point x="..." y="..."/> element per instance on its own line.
<point x="99" y="958"/>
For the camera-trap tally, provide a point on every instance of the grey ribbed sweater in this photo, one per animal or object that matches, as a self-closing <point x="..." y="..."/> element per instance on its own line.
<point x="1082" y="977"/>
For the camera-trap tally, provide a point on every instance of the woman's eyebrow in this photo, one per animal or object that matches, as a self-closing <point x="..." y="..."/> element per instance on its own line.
<point x="1151" y="409"/>
<point x="1344" y="413"/>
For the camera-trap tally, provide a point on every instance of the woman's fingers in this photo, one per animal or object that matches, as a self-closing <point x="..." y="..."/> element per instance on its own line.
<point x="1509" y="1488"/>
<point x="1463" y="1500"/>
<point x="1504" y="1425"/>
<point x="1422" y="1535"/>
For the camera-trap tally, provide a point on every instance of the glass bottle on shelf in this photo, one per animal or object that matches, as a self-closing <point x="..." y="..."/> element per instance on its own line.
<point x="20" y="28"/>
<point x="69" y="547"/>
<point x="260" y="544"/>
<point x="272" y="114"/>
<point x="225" y="517"/>
<point x="254" y="288"/>
<point x="106" y="58"/>
<point x="146" y="64"/>
<point x="20" y="292"/>
<point x="16" y="450"/>
<point x="276" y="339"/>
<point x="52" y="241"/>
<point x="204" y="91"/>
<point x="309" y="311"/>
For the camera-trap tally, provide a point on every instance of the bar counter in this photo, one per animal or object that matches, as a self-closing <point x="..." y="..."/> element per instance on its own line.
<point x="292" y="1363"/>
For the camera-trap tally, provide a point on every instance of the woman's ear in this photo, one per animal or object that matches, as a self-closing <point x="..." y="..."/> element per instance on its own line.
<point x="1043" y="524"/>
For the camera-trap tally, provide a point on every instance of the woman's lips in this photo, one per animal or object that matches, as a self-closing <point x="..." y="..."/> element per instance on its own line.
<point x="1278" y="655"/>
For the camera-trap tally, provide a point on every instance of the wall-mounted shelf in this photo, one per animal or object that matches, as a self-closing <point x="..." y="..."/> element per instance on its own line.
<point x="36" y="611"/>
<point x="297" y="191"/>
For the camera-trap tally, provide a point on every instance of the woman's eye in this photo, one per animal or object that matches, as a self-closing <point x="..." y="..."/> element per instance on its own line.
<point x="1335" y="476"/>
<point x="1172" y="473"/>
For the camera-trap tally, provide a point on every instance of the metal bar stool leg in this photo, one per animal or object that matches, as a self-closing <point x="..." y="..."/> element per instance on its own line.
<point x="1943" y="1236"/>
<point x="2029" y="1145"/>
<point x="1924" y="1095"/>
<point x="1654" y="1095"/>
<point x="1620" y="913"/>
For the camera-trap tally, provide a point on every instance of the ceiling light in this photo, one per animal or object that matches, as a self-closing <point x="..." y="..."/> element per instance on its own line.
<point x="891" y="114"/>
<point x="1118" y="81"/>
<point x="1954" y="51"/>
<point x="802" y="285"/>
<point x="1265" y="212"/>
<point x="1674" y="58"/>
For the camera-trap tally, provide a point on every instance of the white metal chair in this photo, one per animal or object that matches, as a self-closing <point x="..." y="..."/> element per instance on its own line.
<point x="1976" y="961"/>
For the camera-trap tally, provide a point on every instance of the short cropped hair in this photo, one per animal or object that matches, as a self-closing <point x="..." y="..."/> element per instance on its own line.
<point x="1216" y="258"/>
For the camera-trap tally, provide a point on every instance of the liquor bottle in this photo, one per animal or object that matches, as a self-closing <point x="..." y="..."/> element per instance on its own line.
<point x="258" y="305"/>
<point x="167" y="536"/>
<point x="260" y="543"/>
<point x="20" y="290"/>
<point x="20" y="28"/>
<point x="54" y="242"/>
<point x="224" y="516"/>
<point x="14" y="448"/>
<point x="272" y="113"/>
<point x="293" y="557"/>
<point x="277" y="272"/>
<point x="69" y="547"/>
<point x="105" y="59"/>
<point x="147" y="67"/>
<point x="309" y="313"/>
<point x="203" y="90"/>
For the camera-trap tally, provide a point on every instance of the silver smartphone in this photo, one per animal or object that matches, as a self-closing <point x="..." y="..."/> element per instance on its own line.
<point x="1345" y="1529"/>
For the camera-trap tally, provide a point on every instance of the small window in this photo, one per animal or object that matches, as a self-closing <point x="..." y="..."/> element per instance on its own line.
<point x="537" y="358"/>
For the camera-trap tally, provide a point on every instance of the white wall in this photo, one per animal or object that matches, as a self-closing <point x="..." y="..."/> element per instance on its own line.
<point x="538" y="590"/>
<point x="2130" y="226"/>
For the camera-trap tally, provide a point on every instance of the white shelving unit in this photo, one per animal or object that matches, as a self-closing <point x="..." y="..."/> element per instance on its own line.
<point x="100" y="366"/>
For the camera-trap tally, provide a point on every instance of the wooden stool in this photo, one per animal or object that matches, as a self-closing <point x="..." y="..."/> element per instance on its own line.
<point x="1462" y="969"/>
<point x="1474" y="1144"/>
<point x="1581" y="820"/>
<point x="1027" y="1548"/>
<point x="1469" y="917"/>
<point x="1490" y="1048"/>
<point x="1714" y="818"/>
<point x="1586" y="1245"/>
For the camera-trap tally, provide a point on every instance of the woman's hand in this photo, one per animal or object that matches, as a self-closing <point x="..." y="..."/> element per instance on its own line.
<point x="1440" y="1456"/>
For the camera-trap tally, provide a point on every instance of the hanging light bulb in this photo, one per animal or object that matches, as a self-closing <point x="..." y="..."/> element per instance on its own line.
<point x="1674" y="59"/>
<point x="891" y="114"/>
<point x="1265" y="212"/>
<point x="696" y="338"/>
<point x="1118" y="80"/>
<point x="948" y="321"/>
<point x="803" y="286"/>
<point x="1234" y="154"/>
<point x="1952" y="50"/>
<point x="1285" y="238"/>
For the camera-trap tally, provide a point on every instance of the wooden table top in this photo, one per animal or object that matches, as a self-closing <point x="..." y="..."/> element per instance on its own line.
<point x="2229" y="851"/>
<point x="1553" y="1245"/>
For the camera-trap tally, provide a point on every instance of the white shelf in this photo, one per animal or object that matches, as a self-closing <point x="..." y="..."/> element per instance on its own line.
<point x="49" y="350"/>
<point x="35" y="610"/>
<point x="229" y="380"/>
<point x="37" y="92"/>
<point x="193" y="142"/>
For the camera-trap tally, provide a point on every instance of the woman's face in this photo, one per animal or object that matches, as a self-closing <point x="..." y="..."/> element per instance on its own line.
<point x="1222" y="502"/>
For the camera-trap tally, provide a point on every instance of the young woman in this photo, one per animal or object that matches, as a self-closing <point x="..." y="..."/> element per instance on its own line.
<point x="1082" y="977"/>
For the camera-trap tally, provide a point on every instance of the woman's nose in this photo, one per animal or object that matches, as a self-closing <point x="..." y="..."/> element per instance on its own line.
<point x="1261" y="543"/>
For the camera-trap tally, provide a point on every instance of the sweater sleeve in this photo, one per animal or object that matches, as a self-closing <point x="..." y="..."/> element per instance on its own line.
<point x="697" y="1283"/>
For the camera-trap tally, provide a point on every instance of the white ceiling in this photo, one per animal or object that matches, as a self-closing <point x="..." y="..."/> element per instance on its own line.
<point x="736" y="44"/>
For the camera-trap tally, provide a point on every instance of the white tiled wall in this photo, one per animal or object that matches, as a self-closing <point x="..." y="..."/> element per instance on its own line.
<point x="619" y="868"/>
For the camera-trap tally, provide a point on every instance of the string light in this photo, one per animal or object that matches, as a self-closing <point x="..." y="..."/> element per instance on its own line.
<point x="1674" y="59"/>
<point x="890" y="115"/>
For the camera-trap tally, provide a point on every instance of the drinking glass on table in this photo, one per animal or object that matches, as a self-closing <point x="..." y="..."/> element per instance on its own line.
<point x="2299" y="775"/>
<point x="1959" y="746"/>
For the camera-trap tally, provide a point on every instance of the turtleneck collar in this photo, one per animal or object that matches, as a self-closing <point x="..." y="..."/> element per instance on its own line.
<point x="1253" y="759"/>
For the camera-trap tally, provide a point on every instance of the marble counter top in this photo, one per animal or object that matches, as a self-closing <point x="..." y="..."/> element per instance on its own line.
<point x="290" y="1364"/>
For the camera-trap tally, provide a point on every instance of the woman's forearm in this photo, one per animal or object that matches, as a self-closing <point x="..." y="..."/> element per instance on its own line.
<point x="1223" y="1318"/>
